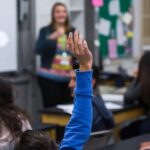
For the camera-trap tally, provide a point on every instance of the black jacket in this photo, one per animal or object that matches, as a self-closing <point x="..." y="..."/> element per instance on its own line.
<point x="133" y="93"/>
<point x="102" y="117"/>
<point x="46" y="48"/>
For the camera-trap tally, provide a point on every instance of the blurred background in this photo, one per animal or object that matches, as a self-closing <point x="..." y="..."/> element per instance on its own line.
<point x="117" y="31"/>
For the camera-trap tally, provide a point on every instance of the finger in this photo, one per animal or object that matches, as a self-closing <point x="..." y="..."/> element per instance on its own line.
<point x="80" y="45"/>
<point x="70" y="42"/>
<point x="145" y="144"/>
<point x="85" y="46"/>
<point x="145" y="148"/>
<point x="67" y="44"/>
<point x="76" y="38"/>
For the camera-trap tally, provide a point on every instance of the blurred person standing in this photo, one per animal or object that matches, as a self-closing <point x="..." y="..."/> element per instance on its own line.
<point x="56" y="59"/>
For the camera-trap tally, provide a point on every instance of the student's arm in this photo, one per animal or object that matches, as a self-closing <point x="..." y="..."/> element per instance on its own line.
<point x="79" y="127"/>
<point x="78" y="130"/>
<point x="45" y="45"/>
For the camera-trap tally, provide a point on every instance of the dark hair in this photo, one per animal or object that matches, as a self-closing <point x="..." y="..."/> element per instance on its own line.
<point x="35" y="140"/>
<point x="53" y="22"/>
<point x="10" y="115"/>
<point x="96" y="75"/>
<point x="144" y="78"/>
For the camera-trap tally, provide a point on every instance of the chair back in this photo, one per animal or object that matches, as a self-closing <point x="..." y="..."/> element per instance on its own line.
<point x="99" y="139"/>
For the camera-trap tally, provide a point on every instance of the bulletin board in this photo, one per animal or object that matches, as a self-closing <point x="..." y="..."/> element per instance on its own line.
<point x="104" y="13"/>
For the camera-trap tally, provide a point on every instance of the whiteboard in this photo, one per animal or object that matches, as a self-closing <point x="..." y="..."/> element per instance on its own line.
<point x="8" y="35"/>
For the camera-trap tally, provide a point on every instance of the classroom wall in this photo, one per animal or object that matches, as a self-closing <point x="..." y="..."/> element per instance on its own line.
<point x="26" y="92"/>
<point x="8" y="36"/>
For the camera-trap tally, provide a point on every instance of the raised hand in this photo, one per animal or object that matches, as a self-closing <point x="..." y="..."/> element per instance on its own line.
<point x="54" y="35"/>
<point x="80" y="50"/>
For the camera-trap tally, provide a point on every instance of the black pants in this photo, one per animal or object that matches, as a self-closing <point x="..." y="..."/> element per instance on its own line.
<point x="54" y="92"/>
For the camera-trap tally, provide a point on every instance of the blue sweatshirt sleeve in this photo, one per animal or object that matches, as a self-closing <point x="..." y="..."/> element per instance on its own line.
<point x="79" y="127"/>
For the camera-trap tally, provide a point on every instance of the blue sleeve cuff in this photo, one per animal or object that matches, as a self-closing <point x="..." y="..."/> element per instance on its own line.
<point x="84" y="83"/>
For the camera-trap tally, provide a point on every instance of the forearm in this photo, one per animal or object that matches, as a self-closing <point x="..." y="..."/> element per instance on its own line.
<point x="79" y="127"/>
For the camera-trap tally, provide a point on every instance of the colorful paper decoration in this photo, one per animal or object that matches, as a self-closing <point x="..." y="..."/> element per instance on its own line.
<point x="97" y="3"/>
<point x="114" y="8"/>
<point x="127" y="18"/>
<point x="104" y="27"/>
<point x="130" y="34"/>
<point x="112" y="45"/>
<point x="121" y="38"/>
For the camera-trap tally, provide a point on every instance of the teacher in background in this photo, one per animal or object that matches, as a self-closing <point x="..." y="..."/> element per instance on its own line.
<point x="56" y="59"/>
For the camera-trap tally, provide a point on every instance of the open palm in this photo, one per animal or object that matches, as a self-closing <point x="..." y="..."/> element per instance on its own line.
<point x="80" y="50"/>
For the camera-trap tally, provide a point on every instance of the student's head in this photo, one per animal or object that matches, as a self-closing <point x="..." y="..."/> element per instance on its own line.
<point x="95" y="80"/>
<point x="35" y="140"/>
<point x="144" y="77"/>
<point x="60" y="15"/>
<point x="8" y="111"/>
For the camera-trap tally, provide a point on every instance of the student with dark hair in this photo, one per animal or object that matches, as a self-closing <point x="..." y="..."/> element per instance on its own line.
<point x="139" y="91"/>
<point x="102" y="117"/>
<point x="79" y="127"/>
<point x="13" y="121"/>
<point x="56" y="59"/>
<point x="37" y="140"/>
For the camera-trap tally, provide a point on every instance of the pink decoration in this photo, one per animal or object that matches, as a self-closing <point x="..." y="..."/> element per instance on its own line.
<point x="97" y="3"/>
<point x="112" y="45"/>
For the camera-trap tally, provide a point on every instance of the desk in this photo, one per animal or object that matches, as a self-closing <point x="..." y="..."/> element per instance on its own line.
<point x="131" y="144"/>
<point x="58" y="117"/>
<point x="109" y="78"/>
